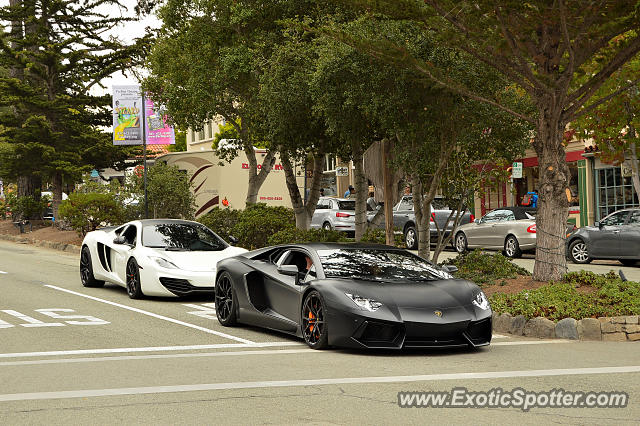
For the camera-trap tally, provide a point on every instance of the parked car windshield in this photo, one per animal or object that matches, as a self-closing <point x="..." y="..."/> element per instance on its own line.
<point x="378" y="265"/>
<point x="181" y="236"/>
<point x="347" y="205"/>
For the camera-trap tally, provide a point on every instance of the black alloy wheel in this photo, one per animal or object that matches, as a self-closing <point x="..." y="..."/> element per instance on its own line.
<point x="134" y="289"/>
<point x="86" y="270"/>
<point x="314" y="325"/>
<point x="225" y="301"/>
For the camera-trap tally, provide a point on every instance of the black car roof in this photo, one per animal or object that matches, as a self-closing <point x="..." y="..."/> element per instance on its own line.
<point x="520" y="211"/>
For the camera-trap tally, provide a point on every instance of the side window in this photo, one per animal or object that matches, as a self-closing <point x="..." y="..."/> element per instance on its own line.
<point x="300" y="259"/>
<point x="130" y="235"/>
<point x="119" y="230"/>
<point x="615" y="219"/>
<point x="634" y="219"/>
<point x="493" y="216"/>
<point x="322" y="205"/>
<point x="406" y="204"/>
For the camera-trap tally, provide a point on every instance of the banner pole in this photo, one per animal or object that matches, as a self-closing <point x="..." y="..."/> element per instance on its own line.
<point x="144" y="154"/>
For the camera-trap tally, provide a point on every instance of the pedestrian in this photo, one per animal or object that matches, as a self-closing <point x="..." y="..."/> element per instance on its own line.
<point x="371" y="201"/>
<point x="322" y="192"/>
<point x="349" y="191"/>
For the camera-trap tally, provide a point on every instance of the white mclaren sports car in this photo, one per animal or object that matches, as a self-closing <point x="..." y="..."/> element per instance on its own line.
<point x="154" y="257"/>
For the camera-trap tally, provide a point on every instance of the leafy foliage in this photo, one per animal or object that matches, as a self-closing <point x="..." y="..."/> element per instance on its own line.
<point x="483" y="268"/>
<point x="258" y="222"/>
<point x="28" y="207"/>
<point x="296" y="235"/>
<point x="87" y="211"/>
<point x="560" y="300"/>
<point x="168" y="192"/>
<point x="221" y="221"/>
<point x="378" y="236"/>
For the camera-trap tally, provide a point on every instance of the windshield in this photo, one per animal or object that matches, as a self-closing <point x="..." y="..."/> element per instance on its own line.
<point x="181" y="236"/>
<point x="378" y="265"/>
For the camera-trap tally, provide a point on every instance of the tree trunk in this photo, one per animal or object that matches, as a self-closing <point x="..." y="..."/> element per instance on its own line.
<point x="57" y="195"/>
<point x="422" y="211"/>
<point x="303" y="212"/>
<point x="361" y="193"/>
<point x="553" y="206"/>
<point x="388" y="192"/>
<point x="257" y="178"/>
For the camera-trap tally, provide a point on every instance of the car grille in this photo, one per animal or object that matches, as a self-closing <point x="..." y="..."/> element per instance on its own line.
<point x="181" y="287"/>
<point x="479" y="332"/>
<point x="379" y="334"/>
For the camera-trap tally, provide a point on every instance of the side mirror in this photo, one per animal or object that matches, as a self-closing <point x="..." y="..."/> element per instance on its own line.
<point x="233" y="240"/>
<point x="476" y="221"/>
<point x="291" y="270"/>
<point x="450" y="268"/>
<point x="120" y="239"/>
<point x="598" y="224"/>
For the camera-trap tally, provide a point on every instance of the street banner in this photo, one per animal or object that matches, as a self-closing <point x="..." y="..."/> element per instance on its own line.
<point x="157" y="130"/>
<point x="127" y="115"/>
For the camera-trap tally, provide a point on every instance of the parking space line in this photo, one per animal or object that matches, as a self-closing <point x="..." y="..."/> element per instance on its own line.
<point x="161" y="356"/>
<point x="3" y="272"/>
<point x="498" y="336"/>
<point x="149" y="349"/>
<point x="532" y="342"/>
<point x="151" y="314"/>
<point x="87" y="393"/>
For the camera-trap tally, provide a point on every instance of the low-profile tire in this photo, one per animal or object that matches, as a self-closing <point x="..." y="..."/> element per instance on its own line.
<point x="134" y="289"/>
<point x="578" y="252"/>
<point x="512" y="247"/>
<point x="86" y="270"/>
<point x="411" y="238"/>
<point x="460" y="243"/>
<point x="628" y="262"/>
<point x="313" y="324"/>
<point x="226" y="302"/>
<point x="326" y="226"/>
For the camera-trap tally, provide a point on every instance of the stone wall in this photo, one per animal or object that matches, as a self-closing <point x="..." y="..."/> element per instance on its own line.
<point x="613" y="329"/>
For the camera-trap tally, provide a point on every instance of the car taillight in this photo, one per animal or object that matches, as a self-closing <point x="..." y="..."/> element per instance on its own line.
<point x="532" y="229"/>
<point x="433" y="216"/>
<point x="339" y="214"/>
<point x="472" y="218"/>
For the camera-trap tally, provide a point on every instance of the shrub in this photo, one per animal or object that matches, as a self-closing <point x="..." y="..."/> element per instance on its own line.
<point x="221" y="221"/>
<point x="379" y="236"/>
<point x="482" y="268"/>
<point x="559" y="300"/>
<point x="295" y="235"/>
<point x="28" y="208"/>
<point x="87" y="211"/>
<point x="258" y="222"/>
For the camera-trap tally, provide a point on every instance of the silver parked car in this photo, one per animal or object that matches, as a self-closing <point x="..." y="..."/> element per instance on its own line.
<point x="335" y="213"/>
<point x="510" y="229"/>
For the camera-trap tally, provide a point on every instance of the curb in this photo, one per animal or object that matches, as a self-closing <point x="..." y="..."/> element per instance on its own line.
<point x="609" y="329"/>
<point x="69" y="248"/>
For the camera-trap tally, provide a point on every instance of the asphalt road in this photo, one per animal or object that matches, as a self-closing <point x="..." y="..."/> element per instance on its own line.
<point x="71" y="355"/>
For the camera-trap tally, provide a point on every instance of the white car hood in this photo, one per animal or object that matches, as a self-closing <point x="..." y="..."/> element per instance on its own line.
<point x="198" y="261"/>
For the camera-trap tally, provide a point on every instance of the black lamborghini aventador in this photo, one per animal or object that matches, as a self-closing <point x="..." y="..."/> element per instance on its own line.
<point x="352" y="295"/>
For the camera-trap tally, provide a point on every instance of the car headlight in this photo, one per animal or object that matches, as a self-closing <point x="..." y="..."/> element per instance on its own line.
<point x="370" y="305"/>
<point x="164" y="263"/>
<point x="481" y="301"/>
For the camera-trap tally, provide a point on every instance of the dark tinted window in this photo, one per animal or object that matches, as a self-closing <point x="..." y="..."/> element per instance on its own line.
<point x="181" y="236"/>
<point x="378" y="265"/>
<point x="347" y="205"/>
<point x="615" y="219"/>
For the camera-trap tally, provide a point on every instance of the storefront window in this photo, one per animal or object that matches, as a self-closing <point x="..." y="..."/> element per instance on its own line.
<point x="614" y="191"/>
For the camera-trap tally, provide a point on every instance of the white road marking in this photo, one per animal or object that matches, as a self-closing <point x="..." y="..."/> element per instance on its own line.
<point x="205" y="310"/>
<point x="3" y="272"/>
<point x="86" y="393"/>
<point x="162" y="356"/>
<point x="151" y="314"/>
<point x="498" y="336"/>
<point x="30" y="321"/>
<point x="149" y="349"/>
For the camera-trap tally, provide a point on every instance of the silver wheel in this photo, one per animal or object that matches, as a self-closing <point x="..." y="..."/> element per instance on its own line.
<point x="578" y="252"/>
<point x="461" y="243"/>
<point x="512" y="247"/>
<point x="326" y="226"/>
<point x="410" y="238"/>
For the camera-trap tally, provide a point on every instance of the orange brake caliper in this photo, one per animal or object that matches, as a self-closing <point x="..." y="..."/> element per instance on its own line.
<point x="311" y="317"/>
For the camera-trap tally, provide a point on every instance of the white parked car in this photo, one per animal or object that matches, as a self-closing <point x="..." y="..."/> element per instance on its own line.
<point x="154" y="257"/>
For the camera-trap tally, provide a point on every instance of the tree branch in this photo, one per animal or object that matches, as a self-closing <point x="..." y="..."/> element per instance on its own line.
<point x="599" y="102"/>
